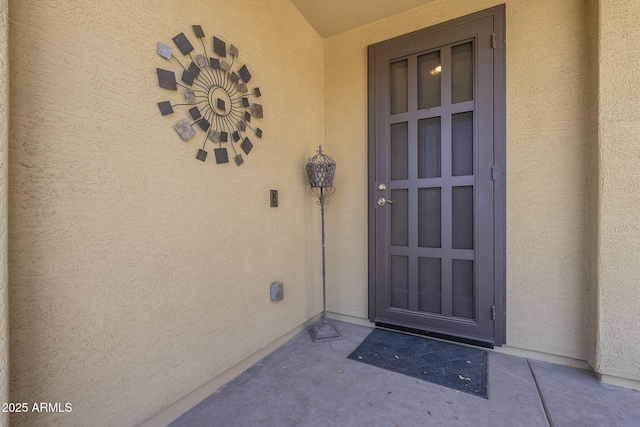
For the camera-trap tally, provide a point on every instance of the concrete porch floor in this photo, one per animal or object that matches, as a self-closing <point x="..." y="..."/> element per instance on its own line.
<point x="304" y="383"/>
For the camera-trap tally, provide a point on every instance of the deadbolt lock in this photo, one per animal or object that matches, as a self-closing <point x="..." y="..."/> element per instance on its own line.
<point x="382" y="187"/>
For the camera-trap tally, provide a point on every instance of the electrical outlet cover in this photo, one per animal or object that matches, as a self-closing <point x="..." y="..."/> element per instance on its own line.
<point x="277" y="291"/>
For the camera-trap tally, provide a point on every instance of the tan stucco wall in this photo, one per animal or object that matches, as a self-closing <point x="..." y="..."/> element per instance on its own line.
<point x="618" y="343"/>
<point x="138" y="273"/>
<point x="4" y="191"/>
<point x="593" y="177"/>
<point x="547" y="155"/>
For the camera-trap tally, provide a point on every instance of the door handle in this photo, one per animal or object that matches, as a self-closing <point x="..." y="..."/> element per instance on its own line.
<point x="382" y="201"/>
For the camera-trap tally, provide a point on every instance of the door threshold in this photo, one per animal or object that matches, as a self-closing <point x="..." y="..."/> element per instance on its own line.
<point x="440" y="336"/>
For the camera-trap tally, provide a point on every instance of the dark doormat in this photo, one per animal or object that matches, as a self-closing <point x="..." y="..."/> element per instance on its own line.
<point x="451" y="365"/>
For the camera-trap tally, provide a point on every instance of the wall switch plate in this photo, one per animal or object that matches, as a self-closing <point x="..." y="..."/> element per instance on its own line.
<point x="273" y="198"/>
<point x="277" y="291"/>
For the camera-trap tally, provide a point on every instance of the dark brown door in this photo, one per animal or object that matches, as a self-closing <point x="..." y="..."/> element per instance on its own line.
<point x="434" y="201"/>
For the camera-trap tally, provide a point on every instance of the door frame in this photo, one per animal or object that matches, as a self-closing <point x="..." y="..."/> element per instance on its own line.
<point x="499" y="146"/>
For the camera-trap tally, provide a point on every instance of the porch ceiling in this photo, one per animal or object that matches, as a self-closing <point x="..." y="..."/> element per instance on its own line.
<point x="331" y="17"/>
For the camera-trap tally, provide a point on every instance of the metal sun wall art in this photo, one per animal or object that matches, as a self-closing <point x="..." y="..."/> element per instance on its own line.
<point x="216" y="98"/>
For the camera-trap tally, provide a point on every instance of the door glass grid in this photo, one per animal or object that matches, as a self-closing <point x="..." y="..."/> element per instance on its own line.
<point x="429" y="284"/>
<point x="399" y="100"/>
<point x="429" y="217"/>
<point x="462" y="144"/>
<point x="399" y="151"/>
<point x="462" y="283"/>
<point x="399" y="281"/>
<point x="462" y="73"/>
<point x="462" y="215"/>
<point x="400" y="218"/>
<point x="429" y="80"/>
<point x="429" y="147"/>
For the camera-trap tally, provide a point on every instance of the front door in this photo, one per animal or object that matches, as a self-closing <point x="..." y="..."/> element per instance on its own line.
<point x="436" y="186"/>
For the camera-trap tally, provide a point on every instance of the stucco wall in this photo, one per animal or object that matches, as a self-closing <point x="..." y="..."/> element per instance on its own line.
<point x="593" y="183"/>
<point x="547" y="154"/>
<point x="619" y="225"/>
<point x="137" y="272"/>
<point x="4" y="191"/>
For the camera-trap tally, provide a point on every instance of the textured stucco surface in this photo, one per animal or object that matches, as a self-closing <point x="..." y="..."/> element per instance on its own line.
<point x="4" y="193"/>
<point x="619" y="225"/>
<point x="547" y="221"/>
<point x="137" y="272"/>
<point x="594" y="178"/>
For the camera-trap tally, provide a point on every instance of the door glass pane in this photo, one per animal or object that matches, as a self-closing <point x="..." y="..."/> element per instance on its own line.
<point x="429" y="158"/>
<point x="399" y="90"/>
<point x="462" y="144"/>
<point x="462" y="281"/>
<point x="462" y="217"/>
<point x="462" y="73"/>
<point x="429" y="70"/>
<point x="429" y="217"/>
<point x="400" y="218"/>
<point x="399" y="150"/>
<point x="399" y="281"/>
<point x="429" y="279"/>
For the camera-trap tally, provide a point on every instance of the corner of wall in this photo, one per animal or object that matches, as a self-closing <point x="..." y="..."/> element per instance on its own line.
<point x="4" y="166"/>
<point x="619" y="382"/>
<point x="593" y="186"/>
<point x="618" y="245"/>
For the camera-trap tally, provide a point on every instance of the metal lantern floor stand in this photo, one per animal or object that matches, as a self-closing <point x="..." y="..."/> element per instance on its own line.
<point x="320" y="170"/>
<point x="323" y="331"/>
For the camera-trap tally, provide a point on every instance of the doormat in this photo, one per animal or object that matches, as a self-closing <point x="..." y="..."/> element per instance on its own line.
<point x="450" y="365"/>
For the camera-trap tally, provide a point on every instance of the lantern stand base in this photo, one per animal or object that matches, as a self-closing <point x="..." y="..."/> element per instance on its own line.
<point x="322" y="331"/>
